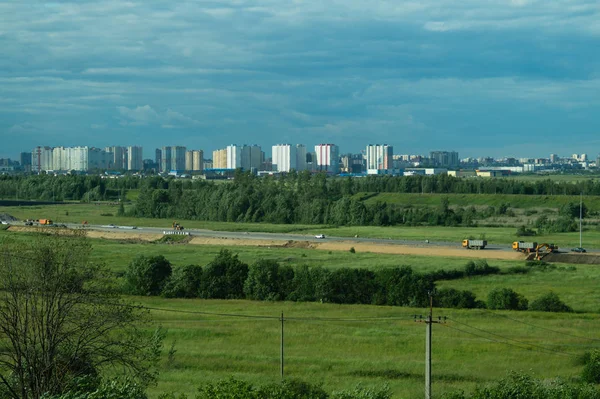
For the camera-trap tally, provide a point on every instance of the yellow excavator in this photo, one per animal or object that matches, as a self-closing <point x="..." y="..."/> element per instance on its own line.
<point x="545" y="249"/>
<point x="177" y="226"/>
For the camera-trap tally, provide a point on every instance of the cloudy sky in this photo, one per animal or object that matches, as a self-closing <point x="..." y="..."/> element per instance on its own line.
<point x="482" y="77"/>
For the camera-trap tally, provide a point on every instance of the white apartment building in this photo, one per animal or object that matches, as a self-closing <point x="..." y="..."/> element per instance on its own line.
<point x="234" y="156"/>
<point x="135" y="158"/>
<point x="379" y="158"/>
<point x="284" y="157"/>
<point x="328" y="158"/>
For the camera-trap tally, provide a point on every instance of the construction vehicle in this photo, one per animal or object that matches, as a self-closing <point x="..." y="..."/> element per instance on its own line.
<point x="474" y="244"/>
<point x="525" y="247"/>
<point x="549" y="248"/>
<point x="45" y="222"/>
<point x="177" y="226"/>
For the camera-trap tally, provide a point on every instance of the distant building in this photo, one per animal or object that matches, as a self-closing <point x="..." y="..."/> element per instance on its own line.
<point x="172" y="158"/>
<point x="158" y="157"/>
<point x="219" y="159"/>
<point x="554" y="158"/>
<point x="41" y="159"/>
<point x="119" y="157"/>
<point x="193" y="161"/>
<point x="352" y="163"/>
<point x="25" y="161"/>
<point x="379" y="158"/>
<point x="135" y="158"/>
<point x="328" y="158"/>
<point x="284" y="158"/>
<point x="446" y="159"/>
<point x="245" y="157"/>
<point x="165" y="159"/>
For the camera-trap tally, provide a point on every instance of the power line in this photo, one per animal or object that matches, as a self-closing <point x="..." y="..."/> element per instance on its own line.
<point x="541" y="348"/>
<point x="542" y="328"/>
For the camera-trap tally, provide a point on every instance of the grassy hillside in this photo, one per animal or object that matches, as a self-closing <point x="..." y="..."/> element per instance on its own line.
<point x="473" y="347"/>
<point x="515" y="201"/>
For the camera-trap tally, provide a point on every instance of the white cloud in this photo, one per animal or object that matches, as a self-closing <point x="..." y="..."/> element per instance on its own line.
<point x="146" y="115"/>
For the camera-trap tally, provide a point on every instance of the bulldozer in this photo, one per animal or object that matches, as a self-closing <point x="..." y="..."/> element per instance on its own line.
<point x="177" y="226"/>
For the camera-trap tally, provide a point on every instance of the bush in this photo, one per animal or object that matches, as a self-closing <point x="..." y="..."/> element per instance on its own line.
<point x="147" y="275"/>
<point x="480" y="268"/>
<point x="523" y="231"/>
<point x="184" y="282"/>
<point x="549" y="303"/>
<point x="506" y="299"/>
<point x="364" y="393"/>
<point x="452" y="298"/>
<point x="591" y="370"/>
<point x="352" y="250"/>
<point x="523" y="386"/>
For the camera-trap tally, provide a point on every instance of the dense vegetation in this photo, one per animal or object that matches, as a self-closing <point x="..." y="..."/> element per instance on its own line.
<point x="299" y="198"/>
<point x="226" y="277"/>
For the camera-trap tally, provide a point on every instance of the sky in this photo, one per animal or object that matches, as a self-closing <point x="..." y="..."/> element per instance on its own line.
<point x="481" y="77"/>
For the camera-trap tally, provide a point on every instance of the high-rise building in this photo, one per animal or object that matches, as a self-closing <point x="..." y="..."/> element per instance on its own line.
<point x="178" y="158"/>
<point x="553" y="158"/>
<point x="119" y="157"/>
<point x="252" y="157"/>
<point x="41" y="159"/>
<point x="300" y="157"/>
<point x="158" y="157"/>
<point x="284" y="157"/>
<point x="220" y="159"/>
<point x="165" y="160"/>
<point x="193" y="160"/>
<point x="379" y="158"/>
<point x="328" y="158"/>
<point x="234" y="156"/>
<point x="446" y="159"/>
<point x="135" y="158"/>
<point x="25" y="161"/>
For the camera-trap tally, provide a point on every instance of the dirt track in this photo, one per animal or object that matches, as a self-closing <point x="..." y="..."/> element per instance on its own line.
<point x="325" y="246"/>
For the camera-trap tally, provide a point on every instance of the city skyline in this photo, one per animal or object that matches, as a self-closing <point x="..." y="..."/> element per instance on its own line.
<point x="501" y="78"/>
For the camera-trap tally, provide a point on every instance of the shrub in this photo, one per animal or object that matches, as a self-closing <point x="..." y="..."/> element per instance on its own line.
<point x="360" y="392"/>
<point x="352" y="250"/>
<point x="591" y="370"/>
<point x="506" y="299"/>
<point x="549" y="303"/>
<point x="480" y="268"/>
<point x="184" y="282"/>
<point x="452" y="298"/>
<point x="147" y="275"/>
<point x="523" y="231"/>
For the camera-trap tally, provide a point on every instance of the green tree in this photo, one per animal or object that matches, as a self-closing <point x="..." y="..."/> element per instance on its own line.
<point x="147" y="275"/>
<point x="265" y="281"/>
<point x="591" y="370"/>
<point x="184" y="282"/>
<point x="61" y="320"/>
<point x="224" y="277"/>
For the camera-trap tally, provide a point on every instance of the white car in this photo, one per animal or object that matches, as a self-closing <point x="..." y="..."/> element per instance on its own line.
<point x="320" y="236"/>
<point x="4" y="222"/>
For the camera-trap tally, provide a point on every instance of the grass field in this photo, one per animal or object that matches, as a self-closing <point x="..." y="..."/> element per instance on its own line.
<point x="76" y="213"/>
<point x="464" y="200"/>
<point x="473" y="347"/>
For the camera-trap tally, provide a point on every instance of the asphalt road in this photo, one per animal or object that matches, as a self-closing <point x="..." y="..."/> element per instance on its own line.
<point x="286" y="237"/>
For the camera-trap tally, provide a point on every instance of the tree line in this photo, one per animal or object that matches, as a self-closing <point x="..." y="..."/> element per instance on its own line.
<point x="227" y="277"/>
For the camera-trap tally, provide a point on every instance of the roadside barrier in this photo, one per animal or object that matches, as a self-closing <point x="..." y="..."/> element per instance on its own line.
<point x="178" y="233"/>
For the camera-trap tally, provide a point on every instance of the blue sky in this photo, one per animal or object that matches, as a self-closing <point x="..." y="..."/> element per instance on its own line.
<point x="482" y="77"/>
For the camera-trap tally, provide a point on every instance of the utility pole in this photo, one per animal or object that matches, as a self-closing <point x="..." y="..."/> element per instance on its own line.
<point x="428" y="323"/>
<point x="281" y="366"/>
